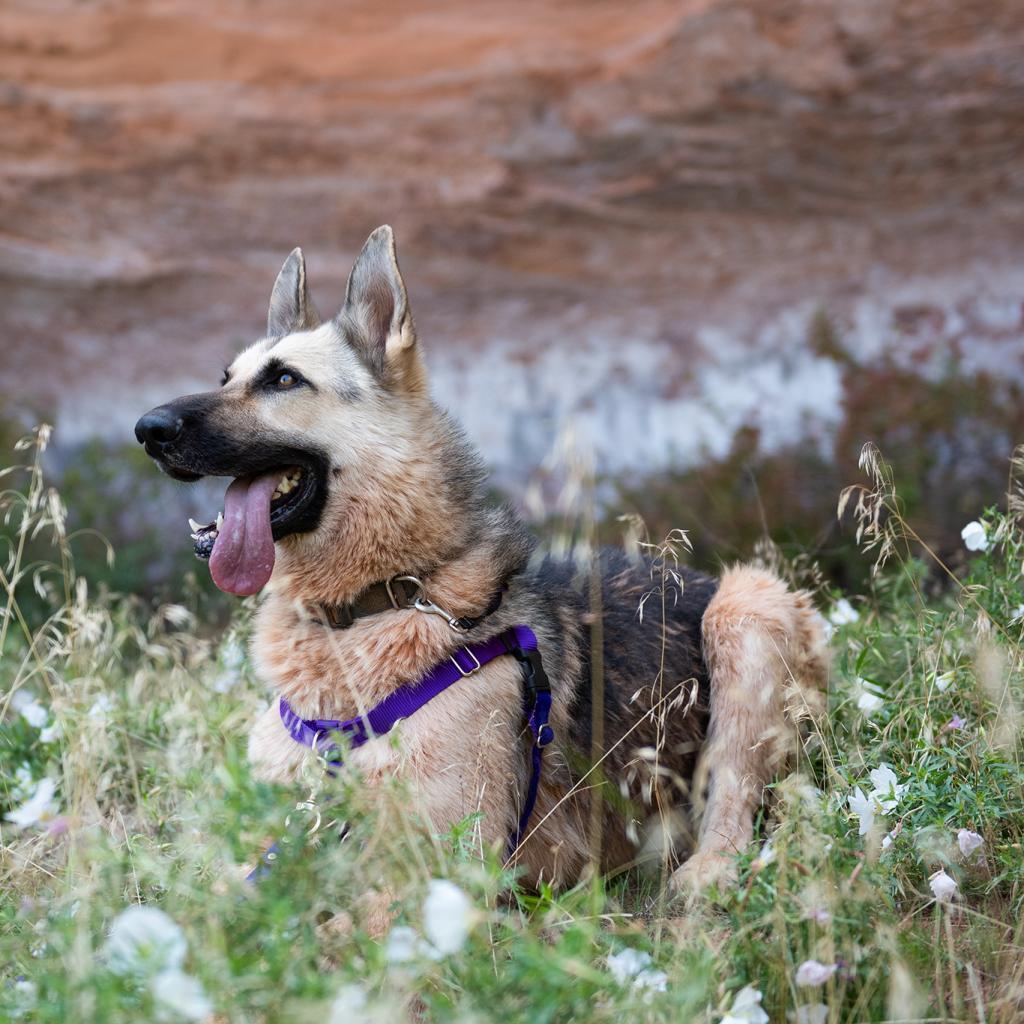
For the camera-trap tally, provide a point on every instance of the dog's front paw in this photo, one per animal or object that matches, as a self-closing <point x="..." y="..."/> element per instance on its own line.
<point x="702" y="871"/>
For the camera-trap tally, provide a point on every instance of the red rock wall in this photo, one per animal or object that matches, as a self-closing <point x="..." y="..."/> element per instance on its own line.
<point x="642" y="201"/>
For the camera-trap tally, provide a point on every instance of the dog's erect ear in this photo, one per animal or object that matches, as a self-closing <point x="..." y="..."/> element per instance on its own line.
<point x="377" y="313"/>
<point x="291" y="308"/>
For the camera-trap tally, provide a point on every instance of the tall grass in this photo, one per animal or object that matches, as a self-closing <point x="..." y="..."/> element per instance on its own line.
<point x="139" y="724"/>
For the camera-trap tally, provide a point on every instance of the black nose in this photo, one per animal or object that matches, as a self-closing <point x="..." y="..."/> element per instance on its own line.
<point x="159" y="426"/>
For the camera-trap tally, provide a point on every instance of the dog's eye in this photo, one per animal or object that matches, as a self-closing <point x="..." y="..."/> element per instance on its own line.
<point x="286" y="380"/>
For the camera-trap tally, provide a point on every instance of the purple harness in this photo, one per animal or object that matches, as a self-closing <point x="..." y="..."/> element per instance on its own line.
<point x="322" y="734"/>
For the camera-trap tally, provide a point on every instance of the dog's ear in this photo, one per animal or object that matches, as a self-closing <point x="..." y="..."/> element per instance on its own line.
<point x="291" y="308"/>
<point x="376" y="317"/>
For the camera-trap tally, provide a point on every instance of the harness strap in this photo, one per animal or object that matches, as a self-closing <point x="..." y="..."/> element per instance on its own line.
<point x="322" y="734"/>
<point x="537" y="705"/>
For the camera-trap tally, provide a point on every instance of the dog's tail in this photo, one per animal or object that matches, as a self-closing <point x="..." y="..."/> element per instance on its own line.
<point x="766" y="654"/>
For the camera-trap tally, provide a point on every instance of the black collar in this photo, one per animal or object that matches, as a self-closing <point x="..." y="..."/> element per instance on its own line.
<point x="397" y="593"/>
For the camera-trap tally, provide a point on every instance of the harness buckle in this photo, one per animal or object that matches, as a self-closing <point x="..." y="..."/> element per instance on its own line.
<point x="472" y="657"/>
<point x="535" y="678"/>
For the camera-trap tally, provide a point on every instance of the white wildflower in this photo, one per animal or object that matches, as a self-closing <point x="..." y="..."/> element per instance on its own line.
<point x="975" y="536"/>
<point x="968" y="842"/>
<point x="24" y="782"/>
<point x="145" y="940"/>
<point x="448" y="916"/>
<point x="812" y="973"/>
<point x="943" y="681"/>
<point x="1017" y="614"/>
<point x="40" y="808"/>
<point x="50" y="734"/>
<point x="20" y="698"/>
<point x="627" y="963"/>
<point x="882" y="799"/>
<point x="843" y="613"/>
<point x="402" y="946"/>
<point x="766" y="856"/>
<point x="887" y="791"/>
<point x="943" y="887"/>
<point x="814" y="1014"/>
<point x="887" y="840"/>
<point x="101" y="707"/>
<point x="864" y="808"/>
<point x="26" y="995"/>
<point x="180" y="995"/>
<point x="634" y="965"/>
<point x="348" y="1006"/>
<point x="652" y="980"/>
<point x="869" y="701"/>
<point x="35" y="714"/>
<point x="746" y="1008"/>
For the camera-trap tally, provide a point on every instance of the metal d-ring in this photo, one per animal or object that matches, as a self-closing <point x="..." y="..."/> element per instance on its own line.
<point x="414" y="580"/>
<point x="321" y="758"/>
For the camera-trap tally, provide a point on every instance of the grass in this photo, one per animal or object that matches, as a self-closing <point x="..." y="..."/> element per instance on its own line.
<point x="153" y="805"/>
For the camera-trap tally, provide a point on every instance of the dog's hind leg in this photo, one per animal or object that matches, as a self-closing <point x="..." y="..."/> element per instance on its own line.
<point x="765" y="652"/>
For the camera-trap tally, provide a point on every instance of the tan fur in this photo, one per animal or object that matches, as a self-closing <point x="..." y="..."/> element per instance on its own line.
<point x="458" y="752"/>
<point x="765" y="651"/>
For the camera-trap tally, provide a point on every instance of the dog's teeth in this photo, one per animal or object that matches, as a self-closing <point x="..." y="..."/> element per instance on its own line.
<point x="220" y="520"/>
<point x="194" y="526"/>
<point x="288" y="482"/>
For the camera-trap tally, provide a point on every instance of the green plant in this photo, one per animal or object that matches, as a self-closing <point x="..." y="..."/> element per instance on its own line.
<point x="152" y="805"/>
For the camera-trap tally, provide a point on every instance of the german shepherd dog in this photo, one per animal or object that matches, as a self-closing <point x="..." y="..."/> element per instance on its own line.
<point x="346" y="475"/>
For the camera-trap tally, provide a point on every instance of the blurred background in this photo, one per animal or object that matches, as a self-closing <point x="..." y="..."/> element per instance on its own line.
<point x="727" y="241"/>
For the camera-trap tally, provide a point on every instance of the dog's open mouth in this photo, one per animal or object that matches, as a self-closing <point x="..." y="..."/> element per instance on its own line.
<point x="257" y="511"/>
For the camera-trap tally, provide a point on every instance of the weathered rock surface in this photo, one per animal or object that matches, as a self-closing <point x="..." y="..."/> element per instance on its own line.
<point x="621" y="214"/>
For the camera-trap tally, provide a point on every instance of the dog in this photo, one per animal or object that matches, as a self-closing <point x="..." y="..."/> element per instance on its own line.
<point x="358" y="509"/>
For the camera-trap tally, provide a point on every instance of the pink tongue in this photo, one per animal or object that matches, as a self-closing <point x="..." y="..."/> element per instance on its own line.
<point x="243" y="553"/>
